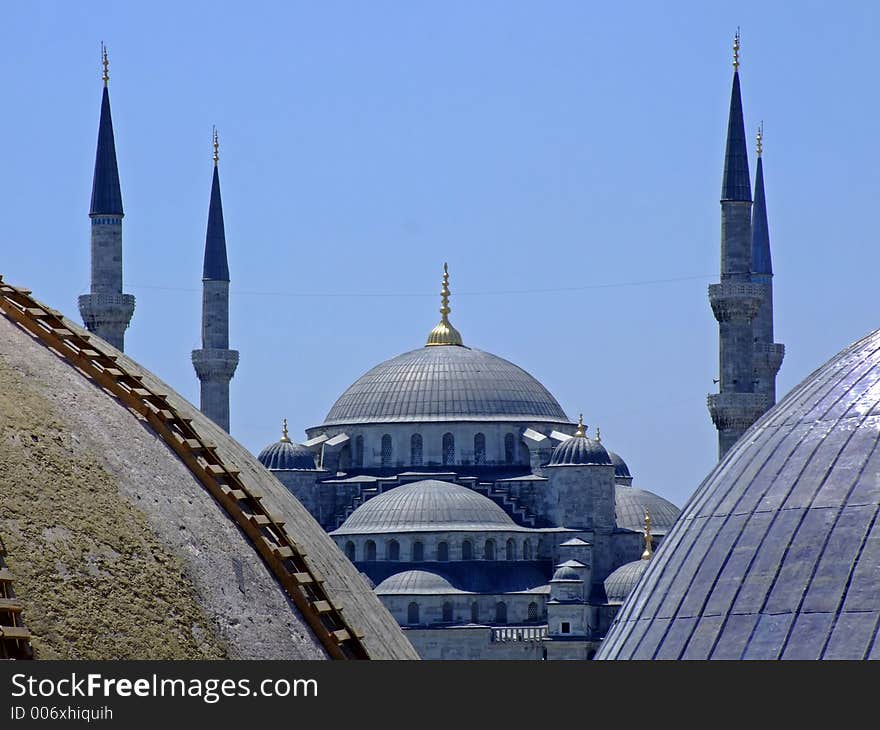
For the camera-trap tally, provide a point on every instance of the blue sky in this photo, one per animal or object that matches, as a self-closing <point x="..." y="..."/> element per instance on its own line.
<point x="565" y="158"/>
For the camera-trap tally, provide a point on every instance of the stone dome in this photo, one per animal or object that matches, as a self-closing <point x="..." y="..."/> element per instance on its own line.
<point x="630" y="505"/>
<point x="579" y="451"/>
<point x="621" y="470"/>
<point x="777" y="554"/>
<point x="117" y="551"/>
<point x="446" y="383"/>
<point x="286" y="455"/>
<point x="427" y="505"/>
<point x="416" y="582"/>
<point x="566" y="572"/>
<point x="619" y="584"/>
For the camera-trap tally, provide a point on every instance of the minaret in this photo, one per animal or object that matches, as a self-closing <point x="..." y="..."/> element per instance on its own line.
<point x="215" y="363"/>
<point x="735" y="301"/>
<point x="106" y="311"/>
<point x="768" y="354"/>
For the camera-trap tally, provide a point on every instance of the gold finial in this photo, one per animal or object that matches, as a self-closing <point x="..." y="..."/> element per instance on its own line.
<point x="106" y="75"/>
<point x="598" y="435"/>
<point x="759" y="138"/>
<point x="216" y="148"/>
<point x="285" y="437"/>
<point x="444" y="333"/>
<point x="649" y="551"/>
<point x="736" y="50"/>
<point x="581" y="429"/>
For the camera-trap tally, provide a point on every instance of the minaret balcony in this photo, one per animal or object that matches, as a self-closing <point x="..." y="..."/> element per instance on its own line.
<point x="736" y="411"/>
<point x="106" y="309"/>
<point x="215" y="365"/>
<point x="768" y="356"/>
<point x="735" y="300"/>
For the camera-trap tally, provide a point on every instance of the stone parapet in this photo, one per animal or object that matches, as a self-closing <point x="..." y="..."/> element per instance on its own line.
<point x="735" y="300"/>
<point x="106" y="309"/>
<point x="769" y="356"/>
<point x="736" y="411"/>
<point x="215" y="365"/>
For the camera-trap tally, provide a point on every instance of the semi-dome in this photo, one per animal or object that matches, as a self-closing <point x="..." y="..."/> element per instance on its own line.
<point x="630" y="505"/>
<point x="427" y="505"/>
<point x="285" y="454"/>
<point x="619" y="584"/>
<point x="579" y="450"/>
<point x="416" y="582"/>
<point x="777" y="554"/>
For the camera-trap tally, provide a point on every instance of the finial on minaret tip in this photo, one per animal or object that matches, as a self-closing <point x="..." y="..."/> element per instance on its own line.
<point x="736" y="51"/>
<point x="285" y="437"/>
<point x="581" y="429"/>
<point x="759" y="139"/>
<point x="216" y="148"/>
<point x="106" y="63"/>
<point x="444" y="333"/>
<point x="649" y="551"/>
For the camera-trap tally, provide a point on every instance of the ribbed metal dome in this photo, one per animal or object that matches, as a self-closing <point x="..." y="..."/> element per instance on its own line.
<point x="286" y="455"/>
<point x="566" y="572"/>
<point x="416" y="582"/>
<point x="579" y="451"/>
<point x="630" y="505"/>
<point x="620" y="583"/>
<point x="620" y="467"/>
<point x="777" y="554"/>
<point x="427" y="505"/>
<point x="446" y="383"/>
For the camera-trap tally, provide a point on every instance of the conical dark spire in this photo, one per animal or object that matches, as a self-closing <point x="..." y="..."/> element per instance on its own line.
<point x="761" y="263"/>
<point x="216" y="266"/>
<point x="736" y="184"/>
<point x="106" y="194"/>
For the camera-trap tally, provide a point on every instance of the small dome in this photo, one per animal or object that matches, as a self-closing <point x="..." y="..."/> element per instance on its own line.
<point x="416" y="582"/>
<point x="566" y="572"/>
<point x="428" y="505"/>
<point x="620" y="583"/>
<point x="286" y="455"/>
<point x="579" y="450"/>
<point x="630" y="505"/>
<point x="620" y="467"/>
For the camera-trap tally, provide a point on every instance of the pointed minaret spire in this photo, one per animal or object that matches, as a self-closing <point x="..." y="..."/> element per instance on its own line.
<point x="215" y="363"/>
<point x="761" y="263"/>
<point x="735" y="184"/>
<point x="106" y="311"/>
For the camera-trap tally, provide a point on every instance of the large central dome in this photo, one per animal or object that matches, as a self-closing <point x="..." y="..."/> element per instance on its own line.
<point x="451" y="383"/>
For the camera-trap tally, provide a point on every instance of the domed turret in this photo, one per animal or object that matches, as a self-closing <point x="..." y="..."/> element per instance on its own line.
<point x="285" y="454"/>
<point x="579" y="450"/>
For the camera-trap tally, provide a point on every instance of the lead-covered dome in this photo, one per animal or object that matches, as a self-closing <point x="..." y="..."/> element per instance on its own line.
<point x="285" y="454"/>
<point x="579" y="450"/>
<point x="619" y="584"/>
<point x="630" y="505"/>
<point x="777" y="554"/>
<point x="446" y="383"/>
<point x="427" y="505"/>
<point x="416" y="582"/>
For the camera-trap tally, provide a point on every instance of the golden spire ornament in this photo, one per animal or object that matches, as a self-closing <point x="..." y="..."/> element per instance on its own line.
<point x="598" y="435"/>
<point x="444" y="333"/>
<point x="759" y="139"/>
<point x="106" y="63"/>
<point x="285" y="437"/>
<point x="216" y="148"/>
<point x="581" y="429"/>
<point x="736" y="50"/>
<point x="649" y="551"/>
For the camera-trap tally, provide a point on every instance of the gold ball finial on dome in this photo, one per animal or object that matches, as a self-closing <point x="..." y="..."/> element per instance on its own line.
<point x="598" y="435"/>
<point x="759" y="139"/>
<point x="106" y="63"/>
<point x="285" y="437"/>
<point x="649" y="550"/>
<point x="736" y="50"/>
<point x="581" y="429"/>
<point x="444" y="333"/>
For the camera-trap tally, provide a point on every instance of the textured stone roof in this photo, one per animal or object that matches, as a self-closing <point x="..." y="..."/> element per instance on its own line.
<point x="286" y="455"/>
<point x="630" y="505"/>
<point x="620" y="583"/>
<point x="777" y="554"/>
<point x="428" y="505"/>
<point x="445" y="384"/>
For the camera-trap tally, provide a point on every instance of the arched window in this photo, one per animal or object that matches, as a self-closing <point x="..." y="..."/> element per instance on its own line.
<point x="392" y="550"/>
<point x="447" y="613"/>
<point x="501" y="612"/>
<point x="540" y="549"/>
<point x="387" y="451"/>
<point x="415" y="449"/>
<point x="448" y="449"/>
<point x="418" y="551"/>
<point x="443" y="552"/>
<point x="412" y="613"/>
<point x="527" y="550"/>
<point x="479" y="449"/>
<point x="349" y="550"/>
<point x="511" y="549"/>
<point x="475" y="613"/>
<point x="508" y="449"/>
<point x="359" y="451"/>
<point x="533" y="611"/>
<point x="489" y="550"/>
<point x="467" y="550"/>
<point x="370" y="550"/>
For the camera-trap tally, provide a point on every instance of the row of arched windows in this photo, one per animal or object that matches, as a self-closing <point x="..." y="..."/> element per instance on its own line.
<point x="416" y="450"/>
<point x="490" y="551"/>
<point x="448" y="613"/>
